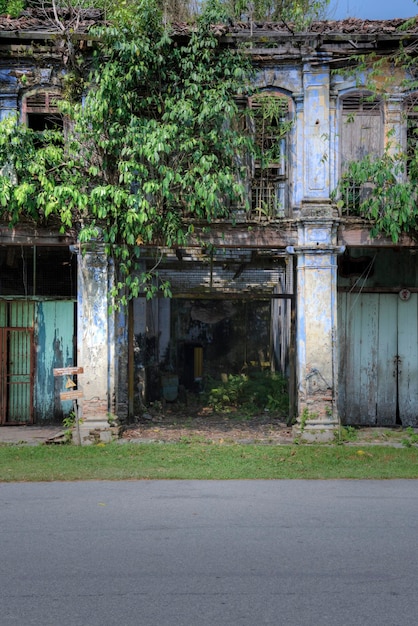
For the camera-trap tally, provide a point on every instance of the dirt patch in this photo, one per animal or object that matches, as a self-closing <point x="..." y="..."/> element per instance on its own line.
<point x="177" y="424"/>
<point x="172" y="425"/>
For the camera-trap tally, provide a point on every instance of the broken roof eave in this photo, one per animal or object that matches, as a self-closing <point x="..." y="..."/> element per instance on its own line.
<point x="34" y="23"/>
<point x="317" y="40"/>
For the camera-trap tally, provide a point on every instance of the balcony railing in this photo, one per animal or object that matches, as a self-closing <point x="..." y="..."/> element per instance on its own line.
<point x="354" y="195"/>
<point x="268" y="198"/>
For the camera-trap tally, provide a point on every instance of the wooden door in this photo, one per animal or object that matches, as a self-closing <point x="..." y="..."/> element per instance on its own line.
<point x="378" y="362"/>
<point x="407" y="360"/>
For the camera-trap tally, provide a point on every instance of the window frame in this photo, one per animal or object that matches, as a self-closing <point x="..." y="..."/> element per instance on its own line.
<point x="360" y="105"/>
<point x="273" y="187"/>
<point x="40" y="103"/>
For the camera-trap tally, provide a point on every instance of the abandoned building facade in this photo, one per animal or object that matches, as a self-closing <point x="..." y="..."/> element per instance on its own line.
<point x="296" y="286"/>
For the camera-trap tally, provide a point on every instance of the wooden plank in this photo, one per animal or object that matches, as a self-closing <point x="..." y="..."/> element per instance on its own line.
<point x="71" y="395"/>
<point x="368" y="357"/>
<point x="386" y="367"/>
<point x="343" y="354"/>
<point x="67" y="371"/>
<point x="408" y="364"/>
<point x="348" y="365"/>
<point x="358" y="365"/>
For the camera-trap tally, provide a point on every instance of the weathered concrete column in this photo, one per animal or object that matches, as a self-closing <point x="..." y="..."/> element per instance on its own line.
<point x="316" y="329"/>
<point x="94" y="344"/>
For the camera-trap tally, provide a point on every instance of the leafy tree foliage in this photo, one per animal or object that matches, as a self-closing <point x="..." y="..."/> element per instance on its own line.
<point x="11" y="7"/>
<point x="391" y="204"/>
<point x="153" y="148"/>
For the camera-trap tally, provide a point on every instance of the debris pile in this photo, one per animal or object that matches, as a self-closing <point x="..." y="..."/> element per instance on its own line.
<point x="44" y="20"/>
<point x="33" y="20"/>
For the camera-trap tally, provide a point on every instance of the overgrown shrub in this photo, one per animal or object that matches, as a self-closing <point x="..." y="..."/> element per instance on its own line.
<point x="250" y="393"/>
<point x="12" y="7"/>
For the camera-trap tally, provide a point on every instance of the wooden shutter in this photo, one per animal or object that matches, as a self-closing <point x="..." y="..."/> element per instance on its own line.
<point x="361" y="128"/>
<point x="42" y="102"/>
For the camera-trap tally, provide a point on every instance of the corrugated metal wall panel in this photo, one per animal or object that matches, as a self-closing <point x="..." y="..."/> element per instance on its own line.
<point x="19" y="376"/>
<point x="21" y="314"/>
<point x="16" y="361"/>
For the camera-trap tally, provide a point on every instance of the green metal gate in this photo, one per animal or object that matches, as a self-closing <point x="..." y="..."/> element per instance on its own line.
<point x="16" y="362"/>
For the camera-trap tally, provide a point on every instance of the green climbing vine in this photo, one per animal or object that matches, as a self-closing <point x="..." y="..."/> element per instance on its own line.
<point x="391" y="199"/>
<point x="152" y="150"/>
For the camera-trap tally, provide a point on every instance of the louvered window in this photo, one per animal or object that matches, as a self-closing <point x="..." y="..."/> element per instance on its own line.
<point x="360" y="103"/>
<point x="361" y="127"/>
<point x="361" y="134"/>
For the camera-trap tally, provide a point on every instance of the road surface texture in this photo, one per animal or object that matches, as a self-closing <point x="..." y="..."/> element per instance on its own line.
<point x="191" y="553"/>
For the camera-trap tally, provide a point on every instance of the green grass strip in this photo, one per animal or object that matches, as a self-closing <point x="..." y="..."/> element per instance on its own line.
<point x="203" y="461"/>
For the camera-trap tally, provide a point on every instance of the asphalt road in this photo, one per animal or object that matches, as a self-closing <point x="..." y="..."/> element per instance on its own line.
<point x="156" y="553"/>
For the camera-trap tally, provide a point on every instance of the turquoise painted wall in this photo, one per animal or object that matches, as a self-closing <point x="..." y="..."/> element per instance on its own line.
<point x="54" y="336"/>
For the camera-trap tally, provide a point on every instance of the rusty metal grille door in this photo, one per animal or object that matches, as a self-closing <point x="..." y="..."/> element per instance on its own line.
<point x="16" y="365"/>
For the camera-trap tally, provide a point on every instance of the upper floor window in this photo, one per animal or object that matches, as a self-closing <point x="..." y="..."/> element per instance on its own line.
<point x="272" y="122"/>
<point x="361" y="128"/>
<point x="40" y="111"/>
<point x="361" y="135"/>
<point x="38" y="271"/>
